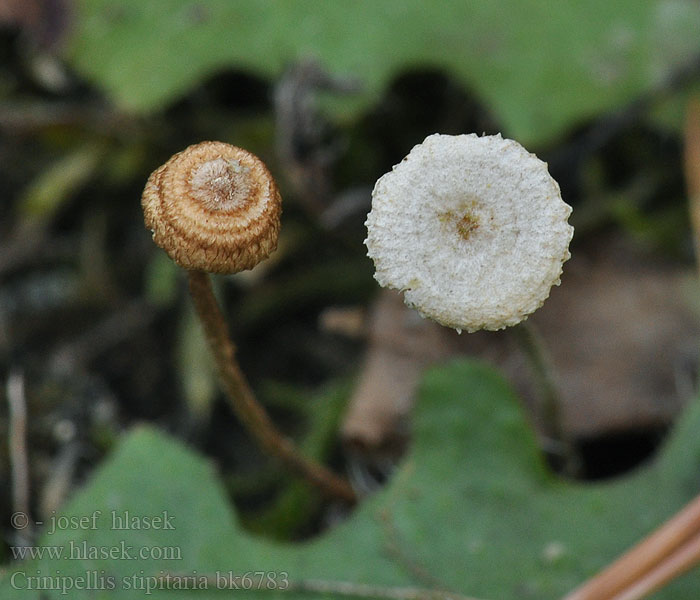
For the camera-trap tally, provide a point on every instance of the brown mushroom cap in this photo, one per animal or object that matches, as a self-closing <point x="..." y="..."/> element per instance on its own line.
<point x="213" y="207"/>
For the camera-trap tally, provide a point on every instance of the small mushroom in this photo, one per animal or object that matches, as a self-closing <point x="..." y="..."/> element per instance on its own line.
<point x="213" y="207"/>
<point x="472" y="229"/>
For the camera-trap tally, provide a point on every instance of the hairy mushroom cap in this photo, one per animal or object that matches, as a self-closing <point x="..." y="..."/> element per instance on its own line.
<point x="472" y="229"/>
<point x="213" y="207"/>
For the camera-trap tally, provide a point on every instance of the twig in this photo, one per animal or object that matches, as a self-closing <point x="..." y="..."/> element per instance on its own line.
<point x="692" y="167"/>
<point x="644" y="565"/>
<point x="243" y="401"/>
<point x="18" y="454"/>
<point x="360" y="590"/>
<point x="685" y="558"/>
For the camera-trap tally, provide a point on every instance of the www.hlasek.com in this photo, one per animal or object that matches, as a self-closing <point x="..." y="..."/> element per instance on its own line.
<point x="100" y="580"/>
<point x="84" y="551"/>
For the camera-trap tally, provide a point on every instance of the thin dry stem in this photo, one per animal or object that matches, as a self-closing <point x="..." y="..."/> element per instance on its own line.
<point x="242" y="399"/>
<point x="685" y="558"/>
<point x="18" y="452"/>
<point x="359" y="590"/>
<point x="644" y="558"/>
<point x="692" y="166"/>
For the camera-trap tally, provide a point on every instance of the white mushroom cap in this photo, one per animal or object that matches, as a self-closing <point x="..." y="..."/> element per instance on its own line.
<point x="472" y="229"/>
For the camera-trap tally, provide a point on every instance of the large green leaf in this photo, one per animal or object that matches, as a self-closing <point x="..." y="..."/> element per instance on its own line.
<point x="540" y="65"/>
<point x="472" y="508"/>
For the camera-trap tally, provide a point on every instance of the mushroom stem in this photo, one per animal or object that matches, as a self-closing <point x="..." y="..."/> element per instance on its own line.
<point x="559" y="443"/>
<point x="243" y="401"/>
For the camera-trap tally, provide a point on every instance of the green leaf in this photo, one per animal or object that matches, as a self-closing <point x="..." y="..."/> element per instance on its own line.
<point x="472" y="508"/>
<point x="540" y="65"/>
<point x="47" y="193"/>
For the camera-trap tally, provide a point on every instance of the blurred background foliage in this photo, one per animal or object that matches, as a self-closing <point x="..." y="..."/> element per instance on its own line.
<point x="541" y="67"/>
<point x="95" y="94"/>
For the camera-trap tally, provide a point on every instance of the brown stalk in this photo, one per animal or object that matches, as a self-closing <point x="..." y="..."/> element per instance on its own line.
<point x="242" y="399"/>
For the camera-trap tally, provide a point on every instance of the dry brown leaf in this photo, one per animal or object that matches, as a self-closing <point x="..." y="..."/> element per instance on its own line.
<point x="400" y="345"/>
